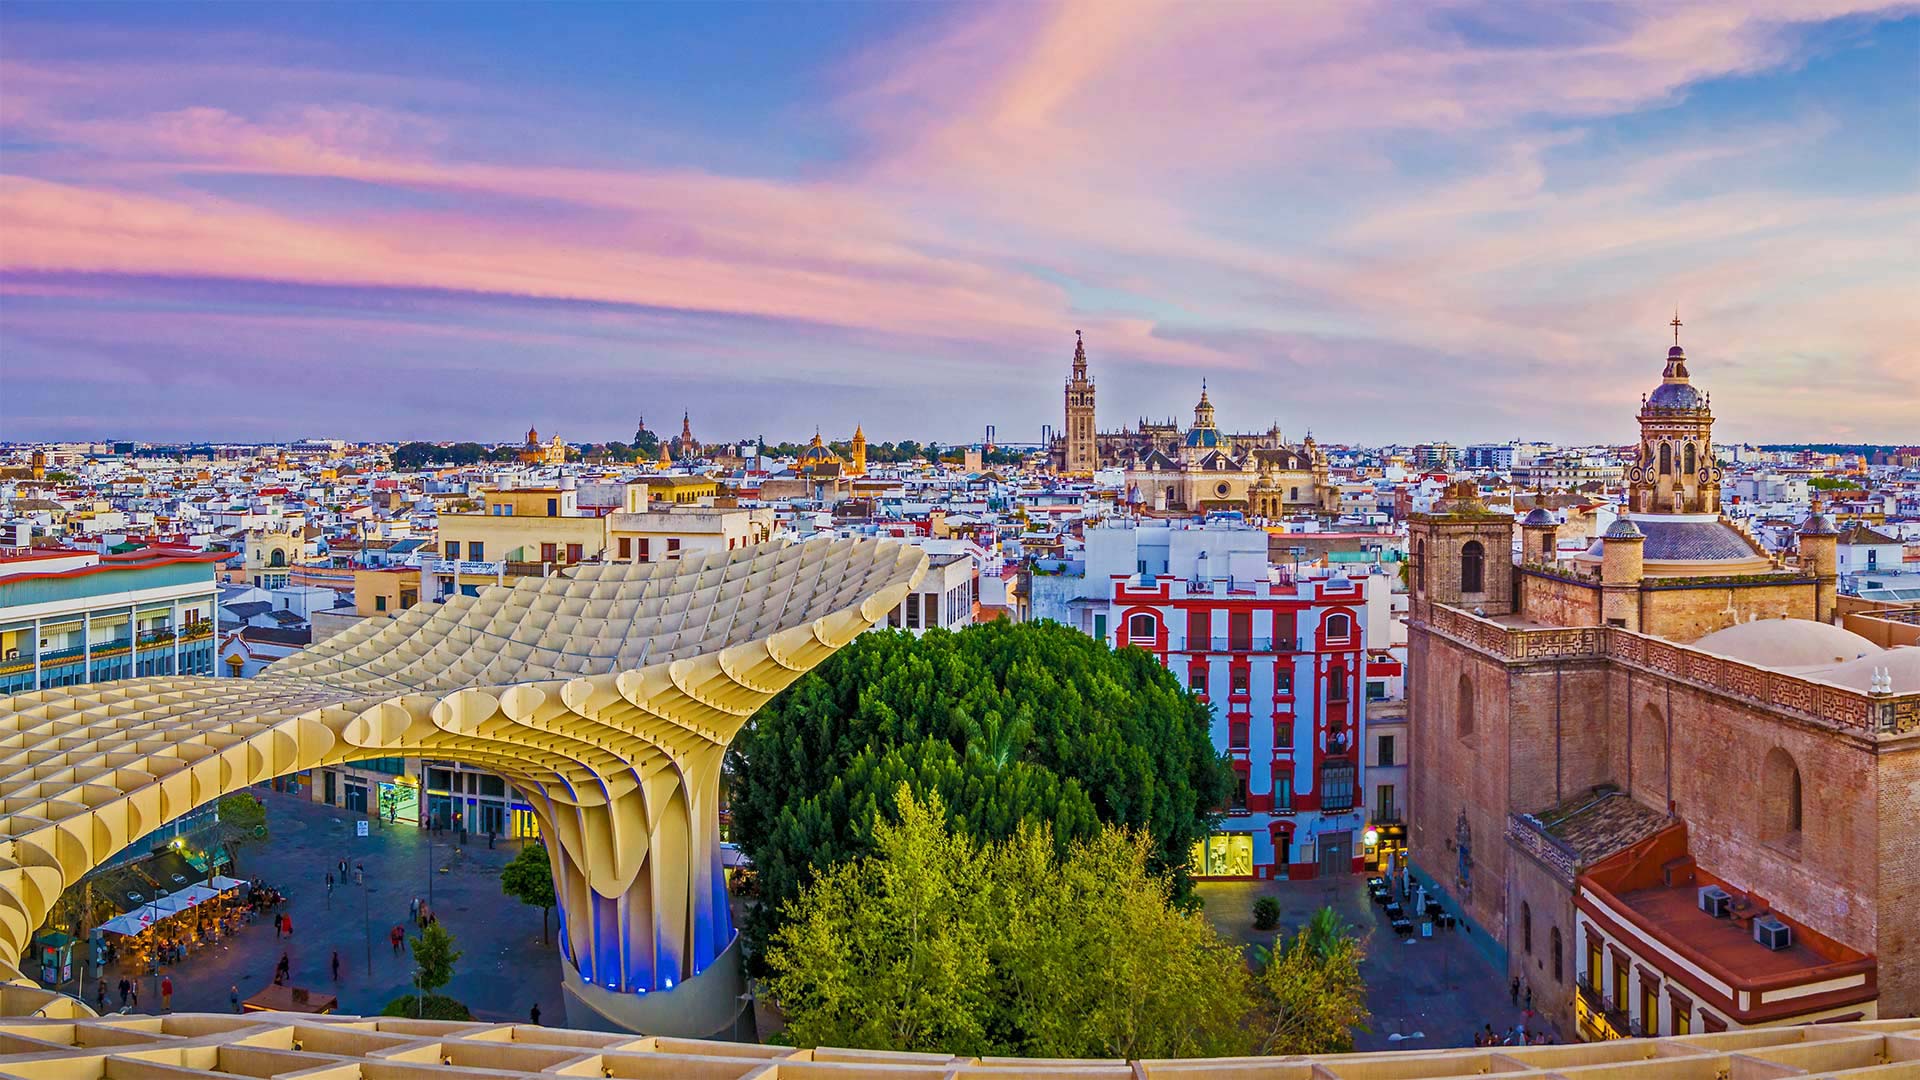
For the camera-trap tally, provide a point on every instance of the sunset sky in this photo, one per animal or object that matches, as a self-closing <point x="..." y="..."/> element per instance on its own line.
<point x="1381" y="221"/>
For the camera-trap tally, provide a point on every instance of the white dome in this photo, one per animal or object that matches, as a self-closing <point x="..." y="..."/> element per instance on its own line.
<point x="1788" y="643"/>
<point x="1902" y="663"/>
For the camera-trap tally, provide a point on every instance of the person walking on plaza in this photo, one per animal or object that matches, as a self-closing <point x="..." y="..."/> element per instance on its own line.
<point x="133" y="999"/>
<point x="396" y="935"/>
<point x="336" y="965"/>
<point x="166" y="993"/>
<point x="1514" y="989"/>
<point x="233" y="996"/>
<point x="125" y="986"/>
<point x="413" y="911"/>
<point x="329" y="883"/>
<point x="100" y="998"/>
<point x="534" y="1016"/>
<point x="287" y="921"/>
<point x="1529" y="995"/>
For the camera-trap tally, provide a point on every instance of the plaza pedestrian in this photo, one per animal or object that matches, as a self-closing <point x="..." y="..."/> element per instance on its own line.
<point x="396" y="936"/>
<point x="413" y="911"/>
<point x="276" y="927"/>
<point x="133" y="999"/>
<point x="534" y="1016"/>
<point x="125" y="987"/>
<point x="233" y="996"/>
<point x="166" y="993"/>
<point x="1529" y="996"/>
<point x="329" y="883"/>
<point x="336" y="965"/>
<point x="100" y="997"/>
<point x="283" y="970"/>
<point x="1514" y="989"/>
<point x="287" y="921"/>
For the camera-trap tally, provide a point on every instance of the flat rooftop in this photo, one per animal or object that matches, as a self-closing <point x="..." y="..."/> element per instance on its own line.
<point x="1726" y="942"/>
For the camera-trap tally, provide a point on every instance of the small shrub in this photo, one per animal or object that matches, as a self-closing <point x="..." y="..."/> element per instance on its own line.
<point x="1266" y="913"/>
<point x="437" y="1007"/>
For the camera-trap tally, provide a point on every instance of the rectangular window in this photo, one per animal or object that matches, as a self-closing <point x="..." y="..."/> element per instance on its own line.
<point x="1285" y="630"/>
<point x="549" y="552"/>
<point x="673" y="547"/>
<point x="1596" y="970"/>
<point x="1237" y="734"/>
<point x="1100" y="627"/>
<point x="1386" y="751"/>
<point x="1240" y="631"/>
<point x="553" y="507"/>
<point x="1283" y="733"/>
<point x="379" y="603"/>
<point x="1197" y="680"/>
<point x="1199" y="630"/>
<point x="1336" y="787"/>
<point x="930" y="610"/>
<point x="1649" y="1006"/>
<point x="913" y="611"/>
<point x="1283" y="787"/>
<point x="1283" y="680"/>
<point x="1620" y="999"/>
<point x="453" y="549"/>
<point x="646" y="550"/>
<point x="626" y="547"/>
<point x="1376" y="690"/>
<point x="1239" y="680"/>
<point x="574" y="553"/>
<point x="1239" y="791"/>
<point x="477" y="551"/>
<point x="1384" y="808"/>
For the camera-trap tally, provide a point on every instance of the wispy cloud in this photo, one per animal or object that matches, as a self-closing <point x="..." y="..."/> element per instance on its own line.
<point x="1317" y="201"/>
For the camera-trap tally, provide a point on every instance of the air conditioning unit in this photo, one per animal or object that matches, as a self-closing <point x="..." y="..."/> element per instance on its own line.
<point x="1715" y="901"/>
<point x="1772" y="933"/>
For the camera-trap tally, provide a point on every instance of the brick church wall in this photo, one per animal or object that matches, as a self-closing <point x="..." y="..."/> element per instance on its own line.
<point x="1687" y="614"/>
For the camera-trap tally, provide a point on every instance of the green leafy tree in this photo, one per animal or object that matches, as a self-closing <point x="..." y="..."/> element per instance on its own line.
<point x="1312" y="996"/>
<point x="243" y="821"/>
<point x="936" y="942"/>
<point x="529" y="879"/>
<point x="1007" y="723"/>
<point x="433" y="958"/>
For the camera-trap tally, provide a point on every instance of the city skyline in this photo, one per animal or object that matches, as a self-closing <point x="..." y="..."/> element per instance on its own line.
<point x="445" y="223"/>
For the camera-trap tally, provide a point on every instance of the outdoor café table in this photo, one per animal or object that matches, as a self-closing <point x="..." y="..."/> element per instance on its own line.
<point x="1403" y="926"/>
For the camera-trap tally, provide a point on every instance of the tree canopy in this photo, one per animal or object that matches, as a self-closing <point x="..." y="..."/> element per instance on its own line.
<point x="243" y="821"/>
<point x="529" y="879"/>
<point x="1006" y="723"/>
<point x="936" y="942"/>
<point x="433" y="958"/>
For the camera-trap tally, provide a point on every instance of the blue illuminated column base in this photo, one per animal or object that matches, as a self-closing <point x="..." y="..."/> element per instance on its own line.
<point x="708" y="1006"/>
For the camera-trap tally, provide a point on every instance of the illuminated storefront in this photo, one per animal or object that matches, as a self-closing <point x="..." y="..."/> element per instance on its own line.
<point x="1384" y="848"/>
<point x="1224" y="855"/>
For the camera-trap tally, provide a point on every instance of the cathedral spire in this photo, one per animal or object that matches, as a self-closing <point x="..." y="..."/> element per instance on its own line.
<point x="1079" y="357"/>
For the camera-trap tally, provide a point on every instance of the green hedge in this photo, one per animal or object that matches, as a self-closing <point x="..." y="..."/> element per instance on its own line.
<point x="437" y="1007"/>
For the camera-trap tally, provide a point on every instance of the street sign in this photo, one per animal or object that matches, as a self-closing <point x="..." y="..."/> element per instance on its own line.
<point x="360" y="828"/>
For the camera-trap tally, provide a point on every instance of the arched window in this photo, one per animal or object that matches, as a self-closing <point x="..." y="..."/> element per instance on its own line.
<point x="1142" y="627"/>
<point x="1526" y="928"/>
<point x="1339" y="626"/>
<point x="278" y="558"/>
<point x="1780" y="806"/>
<point x="1463" y="708"/>
<point x="1687" y="460"/>
<point x="1473" y="560"/>
<point x="1666" y="459"/>
<point x="1553" y="942"/>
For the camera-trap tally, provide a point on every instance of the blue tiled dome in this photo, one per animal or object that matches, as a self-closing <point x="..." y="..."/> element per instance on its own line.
<point x="1675" y="396"/>
<point x="1203" y="437"/>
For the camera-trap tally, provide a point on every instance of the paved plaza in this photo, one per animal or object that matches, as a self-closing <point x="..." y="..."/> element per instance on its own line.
<point x="1444" y="987"/>
<point x="504" y="970"/>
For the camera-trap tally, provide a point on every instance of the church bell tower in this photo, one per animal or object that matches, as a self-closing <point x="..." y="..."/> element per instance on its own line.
<point x="1083" y="451"/>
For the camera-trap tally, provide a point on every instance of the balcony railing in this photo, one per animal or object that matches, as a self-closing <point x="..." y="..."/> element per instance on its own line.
<point x="1249" y="645"/>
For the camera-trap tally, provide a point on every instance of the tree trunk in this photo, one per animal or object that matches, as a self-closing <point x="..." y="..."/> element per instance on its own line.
<point x="543" y="925"/>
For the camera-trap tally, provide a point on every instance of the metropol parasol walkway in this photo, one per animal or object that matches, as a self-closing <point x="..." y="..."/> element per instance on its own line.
<point x="608" y="695"/>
